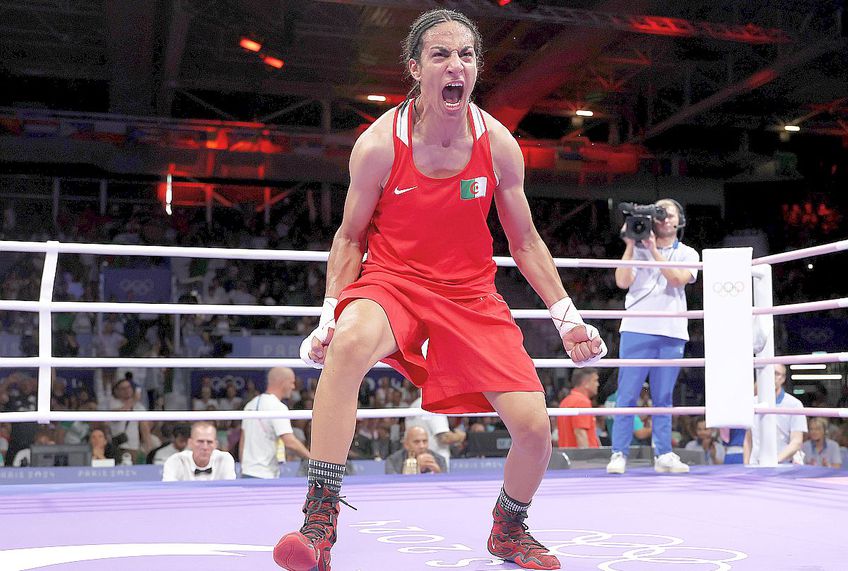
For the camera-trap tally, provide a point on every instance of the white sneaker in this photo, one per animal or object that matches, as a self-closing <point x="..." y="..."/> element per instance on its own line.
<point x="670" y="462"/>
<point x="617" y="463"/>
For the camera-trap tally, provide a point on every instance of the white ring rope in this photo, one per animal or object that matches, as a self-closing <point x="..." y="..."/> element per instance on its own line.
<point x="190" y="416"/>
<point x="254" y="363"/>
<point x="159" y="415"/>
<point x="263" y="362"/>
<point x="287" y="255"/>
<point x="309" y="311"/>
<point x="804" y="307"/>
<point x="802" y="253"/>
<point x="282" y="310"/>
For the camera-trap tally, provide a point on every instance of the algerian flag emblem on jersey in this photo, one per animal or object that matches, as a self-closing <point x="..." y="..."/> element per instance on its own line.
<point x="474" y="188"/>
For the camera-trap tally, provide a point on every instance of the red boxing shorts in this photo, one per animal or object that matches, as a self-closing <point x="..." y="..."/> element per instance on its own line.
<point x="475" y="345"/>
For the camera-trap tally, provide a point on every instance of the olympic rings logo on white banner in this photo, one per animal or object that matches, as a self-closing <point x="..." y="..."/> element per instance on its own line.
<point x="619" y="551"/>
<point x="136" y="287"/>
<point x="728" y="289"/>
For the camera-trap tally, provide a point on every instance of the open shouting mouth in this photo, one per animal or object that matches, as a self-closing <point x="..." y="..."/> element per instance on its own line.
<point x="452" y="94"/>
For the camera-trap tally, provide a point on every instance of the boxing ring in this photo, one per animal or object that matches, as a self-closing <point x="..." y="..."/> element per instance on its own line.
<point x="714" y="518"/>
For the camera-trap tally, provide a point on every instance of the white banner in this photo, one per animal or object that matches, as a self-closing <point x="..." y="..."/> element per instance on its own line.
<point x="728" y="337"/>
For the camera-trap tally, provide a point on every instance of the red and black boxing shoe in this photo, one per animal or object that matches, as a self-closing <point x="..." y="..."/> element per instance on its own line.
<point x="510" y="541"/>
<point x="309" y="548"/>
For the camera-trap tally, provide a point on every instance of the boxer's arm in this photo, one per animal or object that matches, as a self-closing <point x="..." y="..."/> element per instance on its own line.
<point x="525" y="245"/>
<point x="370" y="163"/>
<point x="531" y="255"/>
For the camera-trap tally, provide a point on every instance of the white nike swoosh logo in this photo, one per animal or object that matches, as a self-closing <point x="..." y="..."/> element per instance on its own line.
<point x="402" y="190"/>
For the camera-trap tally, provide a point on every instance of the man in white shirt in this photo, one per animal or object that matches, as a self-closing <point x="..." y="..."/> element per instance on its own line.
<point x="203" y="461"/>
<point x="439" y="434"/>
<point x="652" y="288"/>
<point x="264" y="441"/>
<point x="790" y="428"/>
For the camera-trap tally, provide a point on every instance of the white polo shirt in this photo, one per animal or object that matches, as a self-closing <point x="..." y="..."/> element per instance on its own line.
<point x="650" y="292"/>
<point x="259" y="456"/>
<point x="786" y="425"/>
<point x="181" y="467"/>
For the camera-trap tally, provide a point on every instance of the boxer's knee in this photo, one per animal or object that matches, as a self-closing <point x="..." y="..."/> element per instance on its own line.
<point x="362" y="337"/>
<point x="532" y="435"/>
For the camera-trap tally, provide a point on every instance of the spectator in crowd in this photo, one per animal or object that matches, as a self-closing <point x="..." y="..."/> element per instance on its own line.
<point x="382" y="445"/>
<point x="130" y="437"/>
<point x="202" y="461"/>
<point x="216" y="295"/>
<point x="206" y="401"/>
<point x="5" y="435"/>
<point x="59" y="398"/>
<point x="707" y="443"/>
<point x="415" y="448"/>
<point x="77" y="432"/>
<point x="439" y="434"/>
<point x="733" y="440"/>
<point x="362" y="446"/>
<point x="818" y="449"/>
<point x="579" y="431"/>
<point x="101" y="447"/>
<point x="652" y="288"/>
<point x="842" y="440"/>
<point x="43" y="437"/>
<point x="790" y="427"/>
<point x="264" y="442"/>
<point x="843" y="397"/>
<point x="108" y="343"/>
<point x="230" y="400"/>
<point x="180" y="436"/>
<point x="20" y="396"/>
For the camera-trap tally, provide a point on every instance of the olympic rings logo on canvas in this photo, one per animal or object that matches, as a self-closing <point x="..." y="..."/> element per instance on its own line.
<point x="618" y="551"/>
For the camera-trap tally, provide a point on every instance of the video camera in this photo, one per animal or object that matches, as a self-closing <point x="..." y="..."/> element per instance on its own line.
<point x="639" y="219"/>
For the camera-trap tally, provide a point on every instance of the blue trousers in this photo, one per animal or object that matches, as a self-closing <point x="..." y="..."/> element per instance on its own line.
<point x="631" y="379"/>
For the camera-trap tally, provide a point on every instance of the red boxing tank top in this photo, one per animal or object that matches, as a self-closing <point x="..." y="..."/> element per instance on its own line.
<point x="433" y="231"/>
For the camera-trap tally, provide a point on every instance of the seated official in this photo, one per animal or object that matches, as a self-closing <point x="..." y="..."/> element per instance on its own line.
<point x="415" y="449"/>
<point x="202" y="461"/>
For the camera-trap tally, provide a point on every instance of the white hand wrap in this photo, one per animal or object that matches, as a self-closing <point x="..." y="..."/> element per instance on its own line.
<point x="566" y="317"/>
<point x="326" y="322"/>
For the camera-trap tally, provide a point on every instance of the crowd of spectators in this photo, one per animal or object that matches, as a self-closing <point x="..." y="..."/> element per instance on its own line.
<point x="570" y="229"/>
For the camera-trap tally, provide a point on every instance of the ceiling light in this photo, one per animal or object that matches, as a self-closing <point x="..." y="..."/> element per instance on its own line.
<point x="250" y="45"/>
<point x="584" y="113"/>
<point x="816" y="377"/>
<point x="817" y="367"/>
<point x="169" y="193"/>
<point x="792" y="128"/>
<point x="380" y="98"/>
<point x="273" y="62"/>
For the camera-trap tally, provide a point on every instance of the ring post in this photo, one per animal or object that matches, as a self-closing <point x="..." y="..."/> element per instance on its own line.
<point x="728" y="337"/>
<point x="767" y="446"/>
<point x="45" y="329"/>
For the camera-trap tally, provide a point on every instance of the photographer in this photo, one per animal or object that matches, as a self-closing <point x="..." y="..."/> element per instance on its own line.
<point x="652" y="338"/>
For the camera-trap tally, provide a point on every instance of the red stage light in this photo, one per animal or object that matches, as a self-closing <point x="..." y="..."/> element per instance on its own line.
<point x="503" y="2"/>
<point x="250" y="45"/>
<point x="273" y="62"/>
